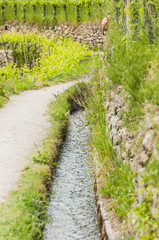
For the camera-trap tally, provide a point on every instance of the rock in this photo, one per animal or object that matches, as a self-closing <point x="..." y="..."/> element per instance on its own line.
<point x="156" y="119"/>
<point x="107" y="105"/>
<point x="59" y="28"/>
<point x="115" y="139"/>
<point x="112" y="133"/>
<point x="118" y="152"/>
<point x="119" y="88"/>
<point x="123" y="134"/>
<point x="124" y="155"/>
<point x="155" y="203"/>
<point x="118" y="125"/>
<point x="148" y="141"/>
<point x="112" y="94"/>
<point x="114" y="120"/>
<point x="141" y="185"/>
<point x="108" y="117"/>
<point x="143" y="158"/>
<point x="66" y="32"/>
<point x="128" y="146"/>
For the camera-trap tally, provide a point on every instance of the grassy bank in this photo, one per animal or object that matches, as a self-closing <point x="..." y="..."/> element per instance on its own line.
<point x="23" y="215"/>
<point x="116" y="176"/>
<point x="132" y="64"/>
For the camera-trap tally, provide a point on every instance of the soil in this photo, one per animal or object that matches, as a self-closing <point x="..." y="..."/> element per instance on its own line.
<point x="23" y="126"/>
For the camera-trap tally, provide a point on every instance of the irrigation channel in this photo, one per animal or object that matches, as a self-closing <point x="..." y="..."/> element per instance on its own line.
<point x="72" y="207"/>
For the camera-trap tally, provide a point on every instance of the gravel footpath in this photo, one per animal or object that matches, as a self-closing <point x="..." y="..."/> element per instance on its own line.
<point x="23" y="124"/>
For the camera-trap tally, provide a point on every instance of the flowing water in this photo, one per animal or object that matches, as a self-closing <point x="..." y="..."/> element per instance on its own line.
<point x="72" y="207"/>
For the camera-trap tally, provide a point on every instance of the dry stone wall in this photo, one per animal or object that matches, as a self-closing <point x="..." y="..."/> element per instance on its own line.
<point x="134" y="147"/>
<point x="110" y="226"/>
<point x="89" y="33"/>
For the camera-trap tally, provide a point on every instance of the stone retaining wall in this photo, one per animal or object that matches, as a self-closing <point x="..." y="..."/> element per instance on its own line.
<point x="90" y="32"/>
<point x="133" y="147"/>
<point x="110" y="226"/>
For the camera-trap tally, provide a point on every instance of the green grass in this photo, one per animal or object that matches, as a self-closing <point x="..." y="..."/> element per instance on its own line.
<point x="134" y="65"/>
<point x="66" y="57"/>
<point x="38" y="16"/>
<point x="23" y="215"/>
<point x="129" y="65"/>
<point x="86" y="66"/>
<point x="117" y="181"/>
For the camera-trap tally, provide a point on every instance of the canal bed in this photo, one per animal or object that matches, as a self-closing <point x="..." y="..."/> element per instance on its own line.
<point x="72" y="206"/>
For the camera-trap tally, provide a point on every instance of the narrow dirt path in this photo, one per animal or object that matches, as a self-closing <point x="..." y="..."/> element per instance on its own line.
<point x="23" y="123"/>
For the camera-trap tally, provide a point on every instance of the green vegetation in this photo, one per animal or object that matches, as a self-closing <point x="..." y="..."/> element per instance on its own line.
<point x="131" y="50"/>
<point x="132" y="66"/>
<point x="54" y="57"/>
<point x="117" y="177"/>
<point x="132" y="61"/>
<point x="52" y="11"/>
<point x="146" y="218"/>
<point x="51" y="2"/>
<point x="24" y="215"/>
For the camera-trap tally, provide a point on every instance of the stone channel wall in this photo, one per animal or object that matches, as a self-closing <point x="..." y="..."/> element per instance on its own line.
<point x="133" y="147"/>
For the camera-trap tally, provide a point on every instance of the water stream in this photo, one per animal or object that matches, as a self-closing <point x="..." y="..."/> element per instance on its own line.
<point x="72" y="206"/>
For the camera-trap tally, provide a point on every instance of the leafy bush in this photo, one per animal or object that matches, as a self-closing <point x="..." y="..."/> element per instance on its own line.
<point x="63" y="57"/>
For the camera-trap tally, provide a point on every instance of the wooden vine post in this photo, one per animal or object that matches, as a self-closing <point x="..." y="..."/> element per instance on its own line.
<point x="15" y="9"/>
<point x="23" y="59"/>
<point x="44" y="11"/>
<point x="78" y="13"/>
<point x="128" y="21"/>
<point x="13" y="53"/>
<point x="54" y="14"/>
<point x="34" y="9"/>
<point x="3" y="8"/>
<point x="89" y="10"/>
<point x="16" y="55"/>
<point x="33" y="56"/>
<point x="24" y="12"/>
<point x="101" y="12"/>
<point x="65" y="10"/>
<point x="25" y="54"/>
<point x="39" y="50"/>
<point x="29" y="59"/>
<point x="152" y="17"/>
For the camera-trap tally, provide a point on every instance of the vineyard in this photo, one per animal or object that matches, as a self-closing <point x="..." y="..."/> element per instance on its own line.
<point x="52" y="12"/>
<point x="36" y="59"/>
